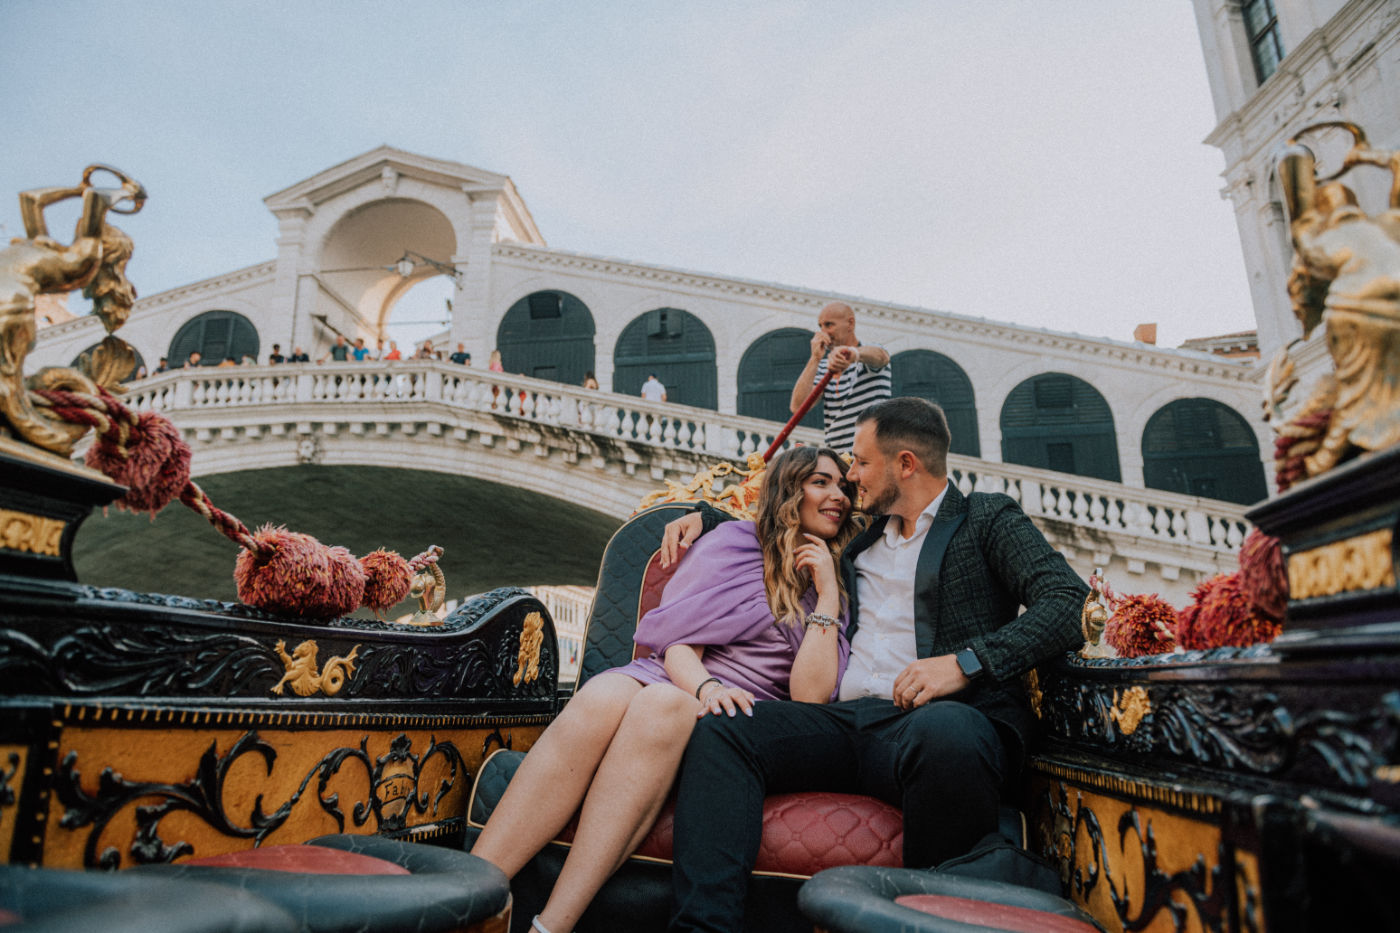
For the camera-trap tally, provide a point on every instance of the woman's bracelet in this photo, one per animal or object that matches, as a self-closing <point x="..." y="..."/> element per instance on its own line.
<point x="820" y="620"/>
<point x="707" y="680"/>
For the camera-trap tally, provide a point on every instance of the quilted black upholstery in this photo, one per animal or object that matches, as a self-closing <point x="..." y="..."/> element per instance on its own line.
<point x="861" y="899"/>
<point x="48" y="900"/>
<point x="608" y="638"/>
<point x="446" y="890"/>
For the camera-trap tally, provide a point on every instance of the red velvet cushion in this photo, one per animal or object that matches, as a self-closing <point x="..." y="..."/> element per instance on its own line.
<point x="311" y="860"/>
<point x="804" y="833"/>
<point x="994" y="916"/>
<point x="654" y="580"/>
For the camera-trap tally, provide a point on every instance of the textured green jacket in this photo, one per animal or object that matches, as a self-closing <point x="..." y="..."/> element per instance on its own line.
<point x="996" y="562"/>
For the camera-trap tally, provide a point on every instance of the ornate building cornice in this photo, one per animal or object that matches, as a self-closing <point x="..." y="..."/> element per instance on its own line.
<point x="1132" y="354"/>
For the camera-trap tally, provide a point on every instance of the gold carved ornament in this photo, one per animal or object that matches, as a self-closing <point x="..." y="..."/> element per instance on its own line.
<point x="1130" y="708"/>
<point x="37" y="264"/>
<point x="429" y="587"/>
<point x="20" y="531"/>
<point x="737" y="497"/>
<point x="1346" y="277"/>
<point x="528" y="658"/>
<point x="1355" y="564"/>
<point x="302" y="675"/>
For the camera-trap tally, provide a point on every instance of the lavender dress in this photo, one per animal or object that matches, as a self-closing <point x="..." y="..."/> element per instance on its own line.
<point x="717" y="600"/>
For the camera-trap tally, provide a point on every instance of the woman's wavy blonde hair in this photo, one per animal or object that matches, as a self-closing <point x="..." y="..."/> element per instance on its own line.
<point x="780" y="532"/>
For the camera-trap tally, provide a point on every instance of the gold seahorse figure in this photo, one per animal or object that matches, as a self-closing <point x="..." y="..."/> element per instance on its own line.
<point x="303" y="676"/>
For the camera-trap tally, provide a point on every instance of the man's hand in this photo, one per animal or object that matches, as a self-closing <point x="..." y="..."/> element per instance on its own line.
<point x="841" y="358"/>
<point x="820" y="344"/>
<point x="928" y="679"/>
<point x="680" y="534"/>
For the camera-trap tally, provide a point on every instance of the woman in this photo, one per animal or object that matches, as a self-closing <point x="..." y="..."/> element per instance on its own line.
<point x="494" y="363"/>
<point x="755" y="611"/>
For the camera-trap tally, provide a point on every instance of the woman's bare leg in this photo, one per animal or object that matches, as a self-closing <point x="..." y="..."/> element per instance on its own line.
<point x="627" y="793"/>
<point x="552" y="780"/>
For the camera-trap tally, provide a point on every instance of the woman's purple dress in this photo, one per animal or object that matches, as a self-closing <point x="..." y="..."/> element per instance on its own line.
<point x="717" y="600"/>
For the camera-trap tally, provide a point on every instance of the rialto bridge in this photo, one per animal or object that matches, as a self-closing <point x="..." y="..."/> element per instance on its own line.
<point x="522" y="480"/>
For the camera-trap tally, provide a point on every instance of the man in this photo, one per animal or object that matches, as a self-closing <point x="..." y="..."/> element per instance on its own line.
<point x="164" y="366"/>
<point x="931" y="716"/>
<point x="653" y="390"/>
<point x="861" y="374"/>
<point x="194" y="359"/>
<point x="299" y="356"/>
<point x="461" y="357"/>
<point x="276" y="355"/>
<point x="339" y="352"/>
<point x="359" y="352"/>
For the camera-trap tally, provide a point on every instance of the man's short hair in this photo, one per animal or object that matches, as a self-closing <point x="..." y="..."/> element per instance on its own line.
<point x="913" y="424"/>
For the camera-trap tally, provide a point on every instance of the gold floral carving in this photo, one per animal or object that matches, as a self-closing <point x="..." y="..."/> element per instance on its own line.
<point x="1033" y="692"/>
<point x="737" y="497"/>
<point x="1360" y="563"/>
<point x="20" y="531"/>
<point x="303" y="676"/>
<point x="1129" y="708"/>
<point x="528" y="659"/>
<point x="1390" y="774"/>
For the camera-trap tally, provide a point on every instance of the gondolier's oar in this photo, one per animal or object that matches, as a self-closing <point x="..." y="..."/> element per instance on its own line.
<point x="797" y="416"/>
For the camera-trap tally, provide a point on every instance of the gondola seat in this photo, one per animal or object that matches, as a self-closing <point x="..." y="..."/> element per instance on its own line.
<point x="362" y="884"/>
<point x="53" y="900"/>
<point x="803" y="833"/>
<point x="858" y="899"/>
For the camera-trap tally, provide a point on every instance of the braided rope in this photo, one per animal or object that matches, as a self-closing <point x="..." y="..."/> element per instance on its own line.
<point x="115" y="425"/>
<point x="425" y="560"/>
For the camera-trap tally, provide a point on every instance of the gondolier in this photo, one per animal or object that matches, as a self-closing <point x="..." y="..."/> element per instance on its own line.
<point x="861" y="374"/>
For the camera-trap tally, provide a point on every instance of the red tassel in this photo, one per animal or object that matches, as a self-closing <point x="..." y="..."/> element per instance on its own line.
<point x="387" y="579"/>
<point x="300" y="575"/>
<point x="1263" y="575"/>
<point x="153" y="463"/>
<point x="1141" y="625"/>
<point x="1220" y="615"/>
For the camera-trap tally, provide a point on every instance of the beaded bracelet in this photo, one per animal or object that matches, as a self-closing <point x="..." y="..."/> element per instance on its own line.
<point x="820" y="620"/>
<point x="707" y="680"/>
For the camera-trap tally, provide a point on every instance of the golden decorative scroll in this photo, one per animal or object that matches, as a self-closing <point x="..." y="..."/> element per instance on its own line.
<point x="37" y="534"/>
<point x="1346" y="277"/>
<point x="1355" y="564"/>
<point x="1031" y="681"/>
<point x="528" y="660"/>
<point x="1129" y="708"/>
<point x="36" y="264"/>
<point x="1390" y="774"/>
<point x="737" y="498"/>
<point x="303" y="676"/>
<point x="12" y="761"/>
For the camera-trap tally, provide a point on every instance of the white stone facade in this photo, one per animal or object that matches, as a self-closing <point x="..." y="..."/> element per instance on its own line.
<point x="1341" y="62"/>
<point x="342" y="231"/>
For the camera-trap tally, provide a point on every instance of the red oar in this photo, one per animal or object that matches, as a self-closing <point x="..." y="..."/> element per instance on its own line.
<point x="797" y="416"/>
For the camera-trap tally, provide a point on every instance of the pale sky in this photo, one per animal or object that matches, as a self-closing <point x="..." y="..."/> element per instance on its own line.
<point x="1031" y="161"/>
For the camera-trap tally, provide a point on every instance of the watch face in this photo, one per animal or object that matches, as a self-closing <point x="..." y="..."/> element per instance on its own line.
<point x="968" y="663"/>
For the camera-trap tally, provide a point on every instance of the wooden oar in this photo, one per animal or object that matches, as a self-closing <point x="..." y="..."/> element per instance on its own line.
<point x="797" y="416"/>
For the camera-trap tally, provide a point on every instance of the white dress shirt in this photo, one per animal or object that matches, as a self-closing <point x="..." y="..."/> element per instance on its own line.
<point x="885" y="643"/>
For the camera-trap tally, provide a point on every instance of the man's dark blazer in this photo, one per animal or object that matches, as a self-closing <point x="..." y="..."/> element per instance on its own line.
<point x="995" y="562"/>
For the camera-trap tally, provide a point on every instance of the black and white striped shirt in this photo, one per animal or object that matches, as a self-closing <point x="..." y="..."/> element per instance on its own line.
<point x="847" y="395"/>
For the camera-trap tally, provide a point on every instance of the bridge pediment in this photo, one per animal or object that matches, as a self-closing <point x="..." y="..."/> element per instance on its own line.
<point x="369" y="168"/>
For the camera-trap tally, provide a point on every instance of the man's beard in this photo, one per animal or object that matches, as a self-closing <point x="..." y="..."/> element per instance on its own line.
<point x="882" y="503"/>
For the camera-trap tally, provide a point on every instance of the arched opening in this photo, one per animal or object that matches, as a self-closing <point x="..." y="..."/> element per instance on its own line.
<point x="768" y="371"/>
<point x="676" y="346"/>
<point x="933" y="376"/>
<point x="1199" y="447"/>
<point x="215" y="336"/>
<point x="422" y="313"/>
<point x="138" y="367"/>
<point x="1059" y="422"/>
<point x="548" y="335"/>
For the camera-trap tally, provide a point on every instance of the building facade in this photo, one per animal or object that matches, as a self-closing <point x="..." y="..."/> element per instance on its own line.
<point x="356" y="237"/>
<point x="1275" y="67"/>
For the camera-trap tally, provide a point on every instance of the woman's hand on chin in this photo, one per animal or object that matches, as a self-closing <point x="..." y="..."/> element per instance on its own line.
<point x="815" y="558"/>
<point x="721" y="700"/>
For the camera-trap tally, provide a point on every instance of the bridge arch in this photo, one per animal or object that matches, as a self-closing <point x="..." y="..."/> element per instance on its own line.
<point x="1199" y="447"/>
<point x="678" y="347"/>
<point x="768" y="371"/>
<point x="933" y="376"/>
<point x="1055" y="421"/>
<point x="548" y="334"/>
<point x="215" y="335"/>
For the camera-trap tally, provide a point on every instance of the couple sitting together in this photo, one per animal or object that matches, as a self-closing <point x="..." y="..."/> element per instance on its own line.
<point x="812" y="649"/>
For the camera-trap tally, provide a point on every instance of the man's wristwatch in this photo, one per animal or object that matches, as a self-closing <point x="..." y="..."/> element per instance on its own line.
<point x="969" y="665"/>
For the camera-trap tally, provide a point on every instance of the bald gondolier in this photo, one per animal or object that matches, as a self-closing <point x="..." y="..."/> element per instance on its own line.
<point x="861" y="374"/>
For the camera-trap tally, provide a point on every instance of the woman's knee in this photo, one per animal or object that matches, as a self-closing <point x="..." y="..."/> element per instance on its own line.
<point x="663" y="702"/>
<point x="604" y="699"/>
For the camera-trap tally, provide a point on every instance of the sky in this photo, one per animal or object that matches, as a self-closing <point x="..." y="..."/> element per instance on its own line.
<point x="1030" y="161"/>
